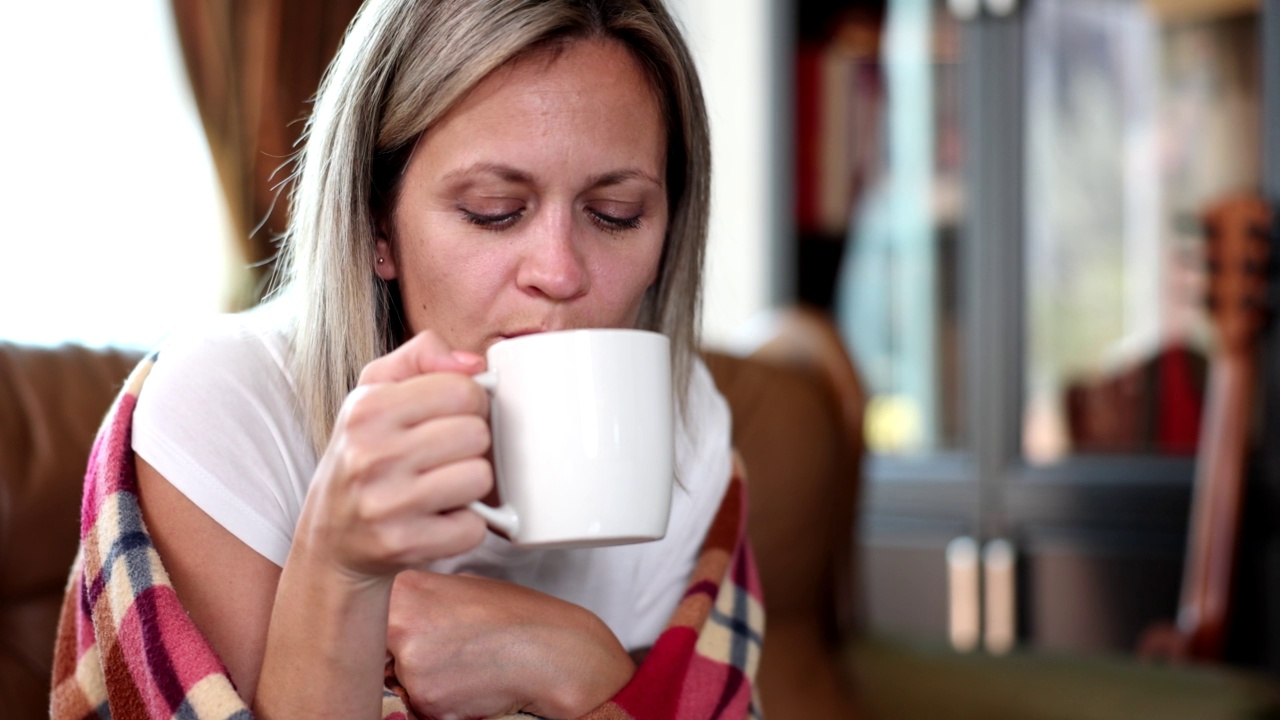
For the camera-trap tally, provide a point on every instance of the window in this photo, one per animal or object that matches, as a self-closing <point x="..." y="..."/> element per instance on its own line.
<point x="1136" y="123"/>
<point x="113" y="227"/>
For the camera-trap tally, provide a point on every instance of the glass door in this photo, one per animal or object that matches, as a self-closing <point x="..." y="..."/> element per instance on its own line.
<point x="1138" y="117"/>
<point x="899" y="294"/>
<point x="1022" y="286"/>
<point x="1137" y="120"/>
<point x="901" y="298"/>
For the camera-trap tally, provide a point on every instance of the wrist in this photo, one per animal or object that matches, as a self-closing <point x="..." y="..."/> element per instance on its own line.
<point x="311" y="567"/>
<point x="326" y="642"/>
<point x="314" y="556"/>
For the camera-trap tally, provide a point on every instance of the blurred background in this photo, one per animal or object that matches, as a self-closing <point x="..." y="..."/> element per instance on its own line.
<point x="1001" y="203"/>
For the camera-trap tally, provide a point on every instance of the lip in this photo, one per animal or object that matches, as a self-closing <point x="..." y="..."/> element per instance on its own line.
<point x="520" y="332"/>
<point x="511" y="334"/>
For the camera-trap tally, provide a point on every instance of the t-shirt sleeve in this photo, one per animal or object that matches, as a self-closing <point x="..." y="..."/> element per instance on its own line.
<point x="215" y="417"/>
<point x="703" y="465"/>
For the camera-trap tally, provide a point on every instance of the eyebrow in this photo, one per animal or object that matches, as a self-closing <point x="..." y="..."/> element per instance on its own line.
<point x="515" y="175"/>
<point x="503" y="172"/>
<point x="620" y="176"/>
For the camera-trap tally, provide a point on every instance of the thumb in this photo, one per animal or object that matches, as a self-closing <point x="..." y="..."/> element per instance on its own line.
<point x="424" y="353"/>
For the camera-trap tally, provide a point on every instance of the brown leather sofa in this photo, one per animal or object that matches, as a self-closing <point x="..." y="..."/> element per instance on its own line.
<point x="797" y="411"/>
<point x="795" y="435"/>
<point x="51" y="402"/>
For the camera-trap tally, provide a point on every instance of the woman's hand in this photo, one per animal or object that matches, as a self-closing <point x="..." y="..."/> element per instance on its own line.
<point x="406" y="456"/>
<point x="470" y="647"/>
<point x="390" y="492"/>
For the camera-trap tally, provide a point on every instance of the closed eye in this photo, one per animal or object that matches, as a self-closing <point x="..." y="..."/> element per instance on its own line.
<point x="498" y="221"/>
<point x="611" y="223"/>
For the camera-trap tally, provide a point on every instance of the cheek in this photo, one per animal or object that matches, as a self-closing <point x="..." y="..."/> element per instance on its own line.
<point x="629" y="277"/>
<point x="445" y="281"/>
<point x="654" y="264"/>
<point x="653" y="256"/>
<point x="455" y="278"/>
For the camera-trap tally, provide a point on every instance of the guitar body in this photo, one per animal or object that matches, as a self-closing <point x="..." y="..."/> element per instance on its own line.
<point x="1237" y="253"/>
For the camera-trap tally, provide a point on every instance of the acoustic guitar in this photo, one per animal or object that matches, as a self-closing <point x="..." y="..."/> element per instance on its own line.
<point x="1237" y="259"/>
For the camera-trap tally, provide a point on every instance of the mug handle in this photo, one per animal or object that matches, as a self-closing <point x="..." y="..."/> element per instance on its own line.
<point x="503" y="518"/>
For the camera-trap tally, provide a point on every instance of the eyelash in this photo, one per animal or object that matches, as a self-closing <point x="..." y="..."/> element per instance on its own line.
<point x="492" y="222"/>
<point x="607" y="223"/>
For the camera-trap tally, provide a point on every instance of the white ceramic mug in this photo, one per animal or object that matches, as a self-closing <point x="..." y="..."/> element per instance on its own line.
<point x="583" y="438"/>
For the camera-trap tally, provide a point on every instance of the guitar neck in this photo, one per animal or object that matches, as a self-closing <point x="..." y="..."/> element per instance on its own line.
<point x="1237" y="255"/>
<point x="1217" y="504"/>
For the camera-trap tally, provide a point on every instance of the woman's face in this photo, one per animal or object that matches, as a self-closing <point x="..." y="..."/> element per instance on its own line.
<point x="538" y="203"/>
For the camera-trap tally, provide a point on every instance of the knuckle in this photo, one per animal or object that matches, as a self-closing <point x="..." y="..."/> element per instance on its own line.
<point x="357" y="460"/>
<point x="392" y="543"/>
<point x="399" y="635"/>
<point x="368" y="373"/>
<point x="359" y="407"/>
<point x="367" y="510"/>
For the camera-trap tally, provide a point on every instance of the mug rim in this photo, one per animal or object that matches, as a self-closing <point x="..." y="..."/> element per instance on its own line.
<point x="577" y="331"/>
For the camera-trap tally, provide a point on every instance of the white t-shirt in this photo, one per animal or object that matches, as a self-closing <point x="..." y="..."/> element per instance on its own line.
<point x="217" y="418"/>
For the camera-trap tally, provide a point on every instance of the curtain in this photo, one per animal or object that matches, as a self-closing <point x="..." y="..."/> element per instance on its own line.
<point x="254" y="67"/>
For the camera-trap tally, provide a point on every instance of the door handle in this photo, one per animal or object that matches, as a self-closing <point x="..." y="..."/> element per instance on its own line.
<point x="1000" y="604"/>
<point x="982" y="595"/>
<point x="963" y="594"/>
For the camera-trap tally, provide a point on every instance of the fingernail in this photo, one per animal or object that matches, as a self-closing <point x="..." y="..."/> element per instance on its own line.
<point x="465" y="358"/>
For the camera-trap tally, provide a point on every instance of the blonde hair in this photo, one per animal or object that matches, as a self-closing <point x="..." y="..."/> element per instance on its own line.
<point x="401" y="67"/>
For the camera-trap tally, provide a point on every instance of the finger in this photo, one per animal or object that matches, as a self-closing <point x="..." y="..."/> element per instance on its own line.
<point x="424" y="353"/>
<point x="441" y="394"/>
<point x="450" y="533"/>
<point x="415" y="498"/>
<point x="421" y="399"/>
<point x="446" y="440"/>
<point x="452" y="487"/>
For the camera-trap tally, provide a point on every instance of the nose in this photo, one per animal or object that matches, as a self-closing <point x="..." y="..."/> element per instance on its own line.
<point x="553" y="266"/>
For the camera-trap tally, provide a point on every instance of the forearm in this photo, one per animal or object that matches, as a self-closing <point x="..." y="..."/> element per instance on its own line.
<point x="326" y="645"/>
<point x="586" y="666"/>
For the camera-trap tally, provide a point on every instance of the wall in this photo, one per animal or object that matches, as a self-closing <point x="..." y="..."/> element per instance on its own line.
<point x="736" y="45"/>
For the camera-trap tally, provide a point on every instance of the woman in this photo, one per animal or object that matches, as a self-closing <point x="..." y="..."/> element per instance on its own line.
<point x="474" y="169"/>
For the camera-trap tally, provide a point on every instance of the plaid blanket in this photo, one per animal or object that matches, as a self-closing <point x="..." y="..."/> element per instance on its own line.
<point x="127" y="649"/>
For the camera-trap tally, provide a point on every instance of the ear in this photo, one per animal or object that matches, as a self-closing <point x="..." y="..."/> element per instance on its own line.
<point x="384" y="260"/>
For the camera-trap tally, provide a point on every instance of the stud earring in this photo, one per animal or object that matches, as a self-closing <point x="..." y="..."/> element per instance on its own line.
<point x="379" y="261"/>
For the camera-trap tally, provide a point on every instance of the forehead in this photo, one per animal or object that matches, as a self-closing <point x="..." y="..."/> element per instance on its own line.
<point x="584" y="98"/>
<point x="575" y="68"/>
